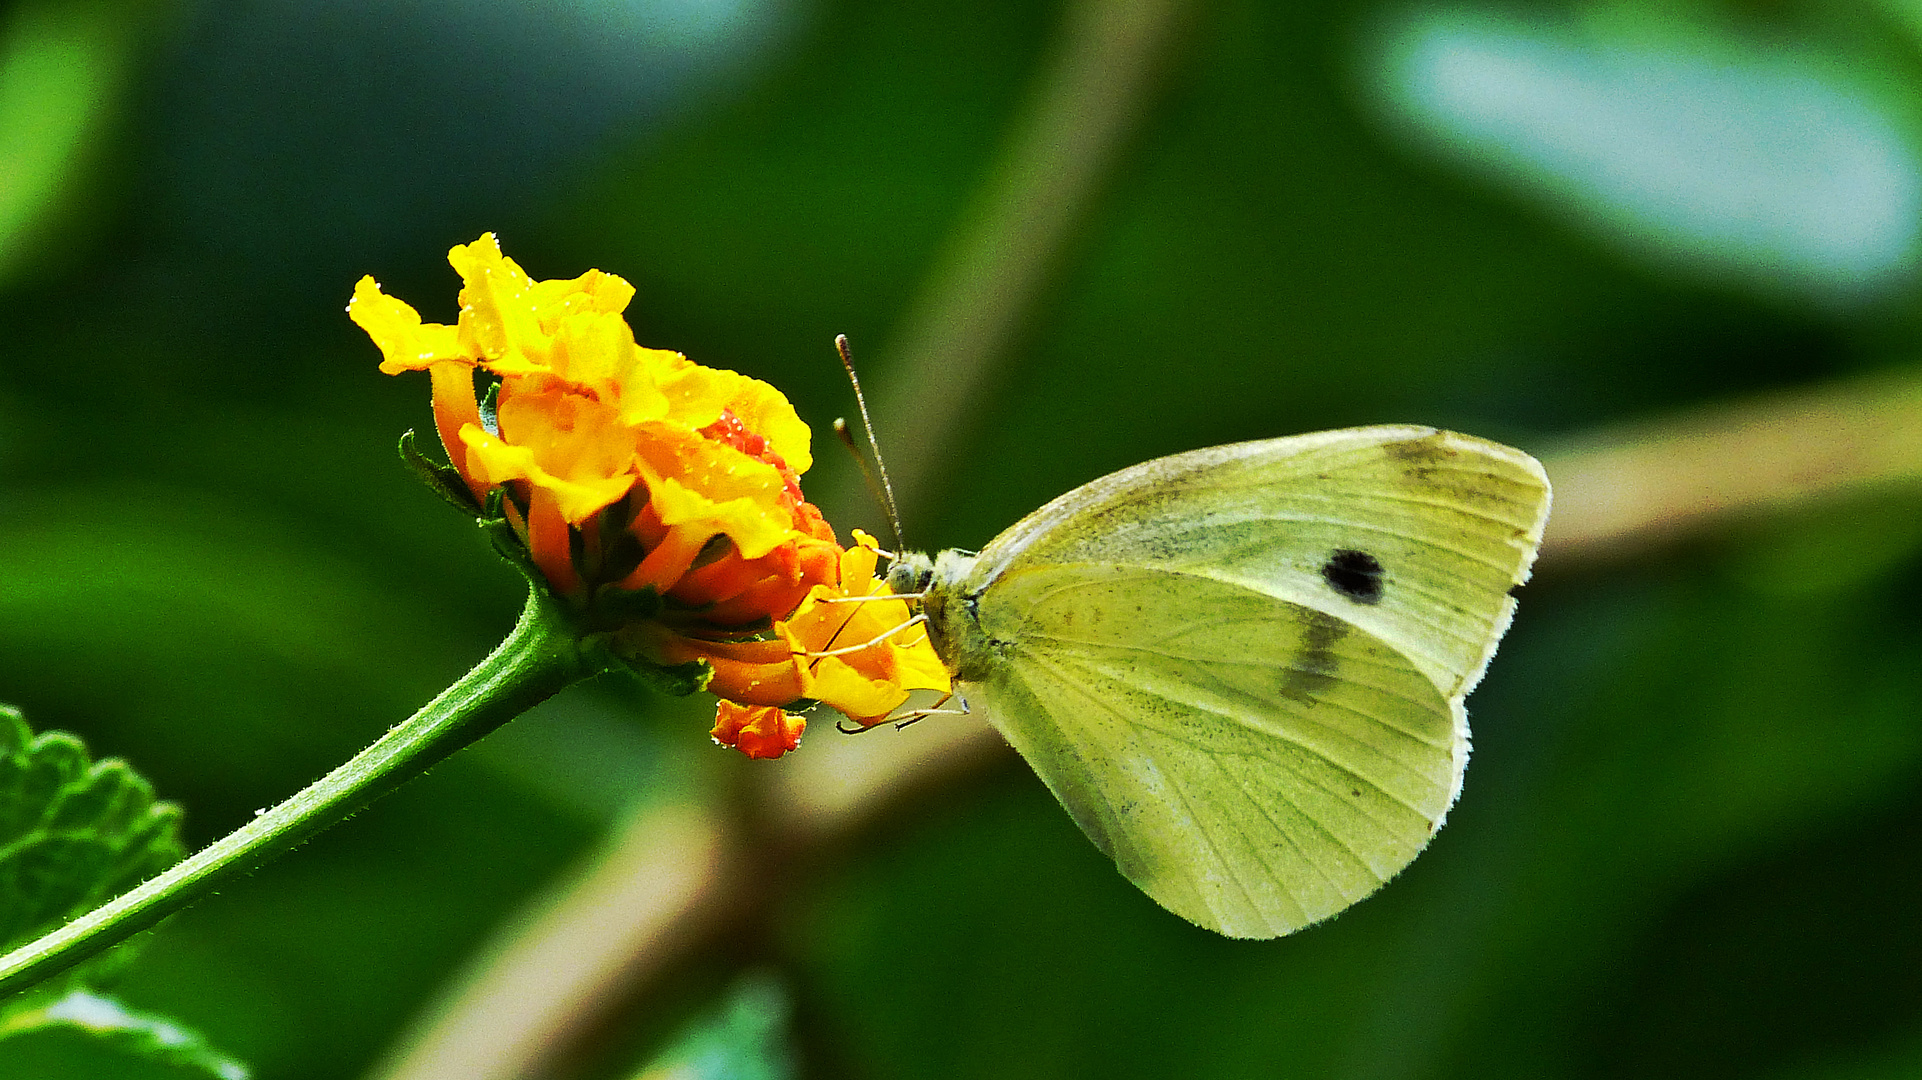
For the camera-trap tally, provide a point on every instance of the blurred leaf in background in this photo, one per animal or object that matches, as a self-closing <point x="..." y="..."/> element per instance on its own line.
<point x="1778" y="163"/>
<point x="64" y="69"/>
<point x="82" y="1034"/>
<point x="1687" y="838"/>
<point x="743" y="1040"/>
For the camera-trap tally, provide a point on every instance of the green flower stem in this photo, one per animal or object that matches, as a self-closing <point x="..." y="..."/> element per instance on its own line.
<point x="542" y="656"/>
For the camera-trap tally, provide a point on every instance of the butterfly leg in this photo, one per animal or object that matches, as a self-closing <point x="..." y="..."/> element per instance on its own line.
<point x="912" y="716"/>
<point x="870" y="643"/>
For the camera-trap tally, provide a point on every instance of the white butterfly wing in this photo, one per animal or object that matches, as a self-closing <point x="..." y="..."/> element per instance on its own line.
<point x="1241" y="669"/>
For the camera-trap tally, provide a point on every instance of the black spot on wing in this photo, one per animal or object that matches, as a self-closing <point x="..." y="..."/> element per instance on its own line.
<point x="1314" y="668"/>
<point x="1356" y="575"/>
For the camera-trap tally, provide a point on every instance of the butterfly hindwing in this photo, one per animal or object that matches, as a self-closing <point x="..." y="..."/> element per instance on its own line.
<point x="1252" y="764"/>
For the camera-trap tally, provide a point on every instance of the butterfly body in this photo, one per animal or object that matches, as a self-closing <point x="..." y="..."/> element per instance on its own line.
<point x="1241" y="669"/>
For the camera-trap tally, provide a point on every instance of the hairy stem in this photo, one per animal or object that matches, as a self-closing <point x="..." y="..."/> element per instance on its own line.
<point x="539" y="658"/>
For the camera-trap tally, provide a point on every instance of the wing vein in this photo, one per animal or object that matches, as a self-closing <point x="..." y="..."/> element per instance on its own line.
<point x="1242" y="721"/>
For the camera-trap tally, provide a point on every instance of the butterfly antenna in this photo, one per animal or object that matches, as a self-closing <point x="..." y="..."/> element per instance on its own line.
<point x="867" y="424"/>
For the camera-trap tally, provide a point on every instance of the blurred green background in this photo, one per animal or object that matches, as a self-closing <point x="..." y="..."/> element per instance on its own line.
<point x="1690" y="841"/>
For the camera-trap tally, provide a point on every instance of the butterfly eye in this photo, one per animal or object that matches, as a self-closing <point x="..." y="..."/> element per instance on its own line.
<point x="911" y="573"/>
<point x="1354" y="574"/>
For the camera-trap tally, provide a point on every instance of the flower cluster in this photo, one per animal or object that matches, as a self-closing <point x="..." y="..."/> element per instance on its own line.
<point x="660" y="497"/>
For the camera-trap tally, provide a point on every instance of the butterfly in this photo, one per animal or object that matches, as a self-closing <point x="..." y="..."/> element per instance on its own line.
<point x="1241" y="669"/>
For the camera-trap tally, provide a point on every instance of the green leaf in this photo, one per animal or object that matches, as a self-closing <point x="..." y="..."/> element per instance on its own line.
<point x="74" y="833"/>
<point x="490" y="408"/>
<point x="619" y="607"/>
<point x="86" y="1034"/>
<point x="507" y="543"/>
<point x="678" y="680"/>
<point x="63" y="67"/>
<point x="444" y="480"/>
<point x="744" y="1039"/>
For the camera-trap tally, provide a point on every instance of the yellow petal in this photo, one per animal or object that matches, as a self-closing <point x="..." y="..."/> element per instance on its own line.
<point x="406" y="343"/>
<point x="697" y="395"/>
<point x="768" y="413"/>
<point x="572" y="446"/>
<point x="839" y="685"/>
<point x="497" y="319"/>
<point x="857" y="565"/>
<point x="693" y="480"/>
<point x="596" y="351"/>
<point x="593" y="292"/>
<point x="918" y="667"/>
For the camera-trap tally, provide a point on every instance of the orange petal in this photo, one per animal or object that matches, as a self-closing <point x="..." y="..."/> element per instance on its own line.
<point x="722" y="578"/>
<point x="758" y="732"/>
<point x="772" y="598"/>
<point x="547" y="541"/>
<point x="749" y="672"/>
<point x="454" y="409"/>
<point x="668" y="560"/>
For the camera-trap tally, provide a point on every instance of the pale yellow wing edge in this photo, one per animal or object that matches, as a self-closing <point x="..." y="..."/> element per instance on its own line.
<point x="1016" y="538"/>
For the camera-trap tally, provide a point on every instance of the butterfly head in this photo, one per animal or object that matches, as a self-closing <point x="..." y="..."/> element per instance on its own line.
<point x="910" y="573"/>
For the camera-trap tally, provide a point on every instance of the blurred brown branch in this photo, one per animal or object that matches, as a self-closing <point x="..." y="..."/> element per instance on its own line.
<point x="655" y="887"/>
<point x="1621" y="489"/>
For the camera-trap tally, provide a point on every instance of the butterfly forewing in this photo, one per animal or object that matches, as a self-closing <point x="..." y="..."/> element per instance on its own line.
<point x="1450" y="522"/>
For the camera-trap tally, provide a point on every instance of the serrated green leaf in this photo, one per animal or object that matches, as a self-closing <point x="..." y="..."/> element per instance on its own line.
<point x="104" y="1034"/>
<point x="744" y="1039"/>
<point x="73" y="834"/>
<point x="14" y="732"/>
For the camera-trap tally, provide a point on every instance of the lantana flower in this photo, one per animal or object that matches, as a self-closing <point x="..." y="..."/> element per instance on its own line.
<point x="659" y="497"/>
